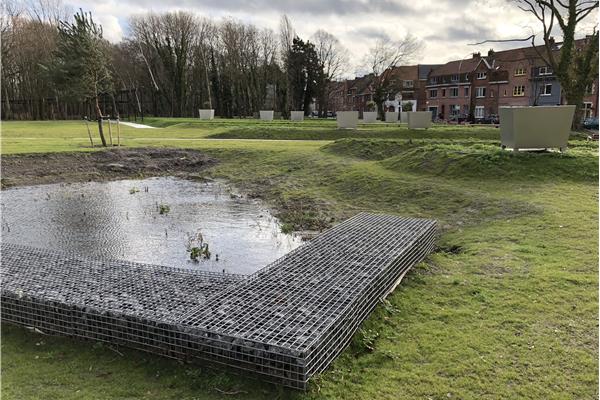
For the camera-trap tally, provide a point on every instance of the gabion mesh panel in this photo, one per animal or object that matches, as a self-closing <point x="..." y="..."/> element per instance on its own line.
<point x="286" y="322"/>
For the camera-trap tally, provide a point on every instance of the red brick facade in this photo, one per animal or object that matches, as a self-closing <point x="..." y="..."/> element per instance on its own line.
<point x="476" y="87"/>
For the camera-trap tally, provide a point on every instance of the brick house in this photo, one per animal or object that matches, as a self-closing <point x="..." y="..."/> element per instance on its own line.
<point x="407" y="86"/>
<point x="475" y="87"/>
<point x="481" y="85"/>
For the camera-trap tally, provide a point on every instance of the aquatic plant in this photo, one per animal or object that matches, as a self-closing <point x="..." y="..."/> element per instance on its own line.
<point x="197" y="247"/>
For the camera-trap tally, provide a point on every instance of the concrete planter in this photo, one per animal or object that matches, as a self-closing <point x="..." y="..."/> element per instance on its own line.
<point x="266" y="115"/>
<point x="369" y="116"/>
<point x="535" y="127"/>
<point x="207" y="114"/>
<point x="297" y="116"/>
<point x="391" y="116"/>
<point x="347" y="119"/>
<point x="419" y="119"/>
<point x="404" y="116"/>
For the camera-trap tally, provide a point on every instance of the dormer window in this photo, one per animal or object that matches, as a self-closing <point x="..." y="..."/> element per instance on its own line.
<point x="545" y="71"/>
<point x="454" y="78"/>
<point x="481" y="75"/>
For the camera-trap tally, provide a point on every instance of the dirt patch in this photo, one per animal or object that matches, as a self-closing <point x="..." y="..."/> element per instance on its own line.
<point x="31" y="169"/>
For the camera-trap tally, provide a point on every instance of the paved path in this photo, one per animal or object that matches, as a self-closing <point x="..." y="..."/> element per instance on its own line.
<point x="134" y="125"/>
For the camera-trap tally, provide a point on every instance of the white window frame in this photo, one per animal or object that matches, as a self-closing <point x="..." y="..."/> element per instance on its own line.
<point x="454" y="78"/>
<point x="519" y="93"/>
<point x="544" y="91"/>
<point x="547" y="71"/>
<point x="479" y="112"/>
<point x="451" y="89"/>
<point x="408" y="83"/>
<point x="436" y="93"/>
<point x="455" y="109"/>
<point x="480" y="92"/>
<point x="520" y="71"/>
<point x="482" y="75"/>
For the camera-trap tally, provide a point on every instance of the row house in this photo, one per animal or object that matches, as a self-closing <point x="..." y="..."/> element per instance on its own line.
<point x="407" y="86"/>
<point x="479" y="86"/>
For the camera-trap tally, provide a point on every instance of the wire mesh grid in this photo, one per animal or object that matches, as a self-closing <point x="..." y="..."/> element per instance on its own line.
<point x="286" y="322"/>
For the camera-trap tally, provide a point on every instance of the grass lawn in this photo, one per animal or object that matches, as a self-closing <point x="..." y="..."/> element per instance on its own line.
<point x="507" y="308"/>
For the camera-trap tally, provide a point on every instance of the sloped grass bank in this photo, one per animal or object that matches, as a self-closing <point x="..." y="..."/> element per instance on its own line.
<point x="473" y="159"/>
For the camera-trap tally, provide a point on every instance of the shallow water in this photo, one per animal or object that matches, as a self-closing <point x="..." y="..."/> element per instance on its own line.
<point x="105" y="219"/>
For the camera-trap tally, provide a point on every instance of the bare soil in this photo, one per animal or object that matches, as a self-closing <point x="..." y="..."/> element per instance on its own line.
<point x="32" y="169"/>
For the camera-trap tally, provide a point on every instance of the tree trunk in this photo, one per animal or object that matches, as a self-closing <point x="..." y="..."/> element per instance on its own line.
<point x="100" y="127"/>
<point x="575" y="98"/>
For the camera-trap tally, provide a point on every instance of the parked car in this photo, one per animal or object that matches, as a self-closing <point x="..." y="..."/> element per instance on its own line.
<point x="590" y="123"/>
<point x="458" y="119"/>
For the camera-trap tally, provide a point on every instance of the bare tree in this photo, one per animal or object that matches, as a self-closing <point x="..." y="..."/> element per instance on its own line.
<point x="334" y="59"/>
<point x="381" y="60"/>
<point x="575" y="63"/>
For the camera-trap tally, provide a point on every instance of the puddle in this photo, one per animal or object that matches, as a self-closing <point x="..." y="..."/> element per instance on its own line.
<point x="107" y="220"/>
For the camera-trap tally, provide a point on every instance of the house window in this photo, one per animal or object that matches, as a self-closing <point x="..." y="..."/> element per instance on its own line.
<point x="546" y="90"/>
<point x="479" y="92"/>
<point x="454" y="92"/>
<point x="590" y="89"/>
<point x="407" y="84"/>
<point x="443" y="92"/>
<point x="454" y="78"/>
<point x="545" y="71"/>
<point x="520" y="71"/>
<point x="433" y="80"/>
<point x="467" y="92"/>
<point x="588" y="110"/>
<point x="519" y="91"/>
<point x="455" y="109"/>
<point x="432" y="93"/>
<point x="479" y="111"/>
<point x="491" y="93"/>
<point x="481" y="75"/>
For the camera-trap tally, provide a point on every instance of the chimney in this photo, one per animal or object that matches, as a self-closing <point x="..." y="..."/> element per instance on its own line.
<point x="477" y="55"/>
<point x="491" y="53"/>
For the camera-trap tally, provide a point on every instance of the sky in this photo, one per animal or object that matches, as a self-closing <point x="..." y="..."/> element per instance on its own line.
<point x="445" y="27"/>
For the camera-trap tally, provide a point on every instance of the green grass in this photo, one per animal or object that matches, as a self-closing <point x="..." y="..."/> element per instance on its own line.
<point x="507" y="308"/>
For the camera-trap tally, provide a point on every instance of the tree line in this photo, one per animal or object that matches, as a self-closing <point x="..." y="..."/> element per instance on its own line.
<point x="57" y="65"/>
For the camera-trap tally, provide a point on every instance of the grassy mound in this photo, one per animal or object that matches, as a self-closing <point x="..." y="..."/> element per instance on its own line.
<point x="473" y="159"/>
<point x="491" y="162"/>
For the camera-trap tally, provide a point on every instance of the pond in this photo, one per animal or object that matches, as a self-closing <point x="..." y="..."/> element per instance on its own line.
<point x="149" y="221"/>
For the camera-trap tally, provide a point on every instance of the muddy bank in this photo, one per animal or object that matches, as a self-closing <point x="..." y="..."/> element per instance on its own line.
<point x="31" y="169"/>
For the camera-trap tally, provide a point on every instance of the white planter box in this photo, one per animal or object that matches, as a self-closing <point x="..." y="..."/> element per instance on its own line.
<point x="266" y="115"/>
<point x="347" y="119"/>
<point x="207" y="114"/>
<point x="404" y="116"/>
<point x="391" y="116"/>
<point x="419" y="119"/>
<point x="369" y="116"/>
<point x="536" y="127"/>
<point x="297" y="116"/>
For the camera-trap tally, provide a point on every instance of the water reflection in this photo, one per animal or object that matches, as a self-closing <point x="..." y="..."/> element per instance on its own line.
<point x="105" y="219"/>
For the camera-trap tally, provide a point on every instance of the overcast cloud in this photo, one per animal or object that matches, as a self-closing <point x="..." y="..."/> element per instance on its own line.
<point x="446" y="27"/>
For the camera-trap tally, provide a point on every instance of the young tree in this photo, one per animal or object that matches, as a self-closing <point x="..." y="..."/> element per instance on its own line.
<point x="82" y="62"/>
<point x="382" y="58"/>
<point x="334" y="60"/>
